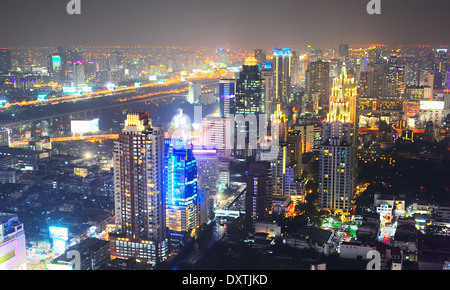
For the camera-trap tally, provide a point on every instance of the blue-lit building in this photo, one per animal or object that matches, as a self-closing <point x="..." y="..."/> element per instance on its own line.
<point x="180" y="178"/>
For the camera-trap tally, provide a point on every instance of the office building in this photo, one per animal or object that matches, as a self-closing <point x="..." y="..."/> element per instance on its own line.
<point x="260" y="56"/>
<point x="258" y="197"/>
<point x="343" y="52"/>
<point x="250" y="95"/>
<point x="227" y="97"/>
<point x="4" y="137"/>
<point x="294" y="147"/>
<point x="194" y="92"/>
<point x="5" y="60"/>
<point x="94" y="254"/>
<point x="318" y="81"/>
<point x="267" y="76"/>
<point x="180" y="175"/>
<point x="282" y="68"/>
<point x="79" y="77"/>
<point x="140" y="216"/>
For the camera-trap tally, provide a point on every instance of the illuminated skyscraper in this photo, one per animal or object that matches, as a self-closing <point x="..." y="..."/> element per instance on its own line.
<point x="267" y="76"/>
<point x="282" y="68"/>
<point x="227" y="96"/>
<point x="337" y="152"/>
<point x="79" y="78"/>
<point x="250" y="97"/>
<point x="139" y="195"/>
<point x="181" y="188"/>
<point x="260" y="56"/>
<point x="318" y="81"/>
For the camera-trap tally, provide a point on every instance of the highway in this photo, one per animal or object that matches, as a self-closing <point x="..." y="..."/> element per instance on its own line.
<point x="88" y="104"/>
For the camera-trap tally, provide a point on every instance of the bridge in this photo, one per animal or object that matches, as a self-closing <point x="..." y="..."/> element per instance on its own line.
<point x="93" y="112"/>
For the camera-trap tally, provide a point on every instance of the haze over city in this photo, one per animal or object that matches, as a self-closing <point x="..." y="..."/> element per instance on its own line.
<point x="214" y="23"/>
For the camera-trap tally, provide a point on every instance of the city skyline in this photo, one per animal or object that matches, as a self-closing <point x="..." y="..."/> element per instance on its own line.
<point x="218" y="23"/>
<point x="225" y="135"/>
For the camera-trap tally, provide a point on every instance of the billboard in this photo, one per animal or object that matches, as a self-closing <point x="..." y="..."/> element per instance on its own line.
<point x="59" y="237"/>
<point x="84" y="126"/>
<point x="56" y="62"/>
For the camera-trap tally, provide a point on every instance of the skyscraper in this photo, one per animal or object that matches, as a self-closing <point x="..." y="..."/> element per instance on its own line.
<point x="343" y="52"/>
<point x="337" y="152"/>
<point x="139" y="195"/>
<point x="282" y="67"/>
<point x="260" y="56"/>
<point x="250" y="98"/>
<point x="294" y="142"/>
<point x="5" y="60"/>
<point x="79" y="78"/>
<point x="258" y="197"/>
<point x="318" y="81"/>
<point x="227" y="96"/>
<point x="181" y="189"/>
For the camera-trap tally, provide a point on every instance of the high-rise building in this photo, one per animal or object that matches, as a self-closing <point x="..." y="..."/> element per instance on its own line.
<point x="295" y="67"/>
<point x="140" y="215"/>
<point x="258" y="197"/>
<point x="250" y="97"/>
<point x="260" y="56"/>
<point x="208" y="180"/>
<point x="79" y="77"/>
<point x="311" y="134"/>
<point x="207" y="169"/>
<point x="4" y="137"/>
<point x="337" y="152"/>
<point x="181" y="189"/>
<point x="343" y="52"/>
<point x="194" y="93"/>
<point x="294" y="143"/>
<point x="282" y="68"/>
<point x="318" y="81"/>
<point x="267" y="76"/>
<point x="227" y="97"/>
<point x="5" y="60"/>
<point x="13" y="251"/>
<point x="216" y="134"/>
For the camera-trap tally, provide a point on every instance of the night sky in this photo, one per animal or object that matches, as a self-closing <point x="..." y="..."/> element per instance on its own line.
<point x="215" y="23"/>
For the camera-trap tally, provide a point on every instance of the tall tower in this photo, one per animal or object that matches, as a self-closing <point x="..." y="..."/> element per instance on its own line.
<point x="181" y="189"/>
<point x="227" y="95"/>
<point x="5" y="60"/>
<point x="337" y="152"/>
<point x="250" y="98"/>
<point x="282" y="66"/>
<point x="139" y="196"/>
<point x="318" y="81"/>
